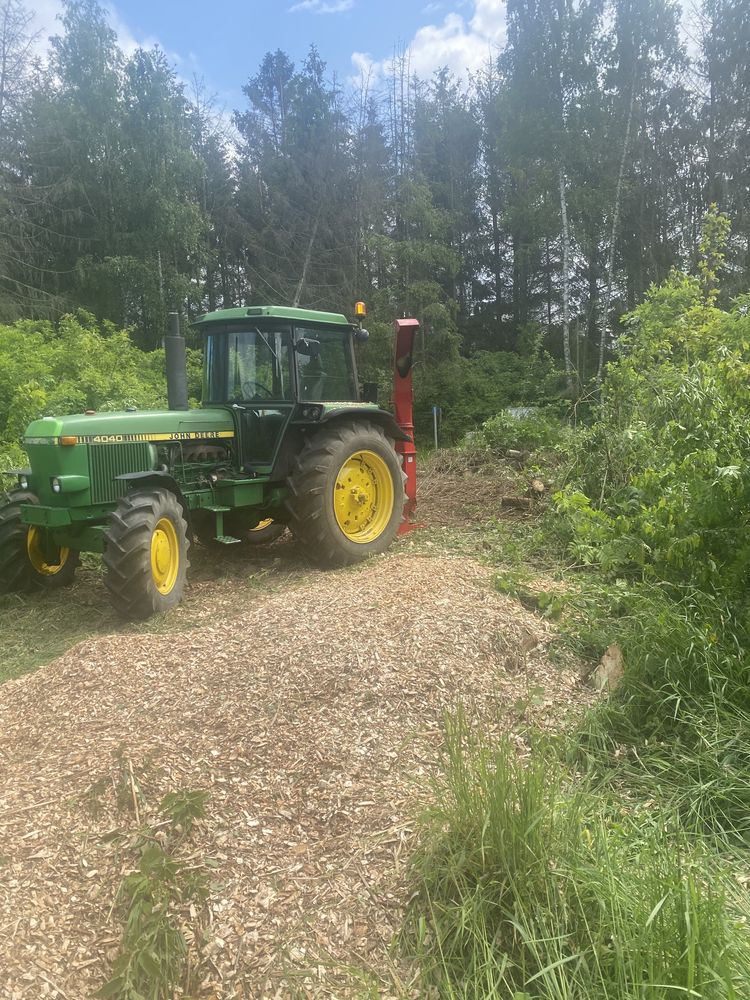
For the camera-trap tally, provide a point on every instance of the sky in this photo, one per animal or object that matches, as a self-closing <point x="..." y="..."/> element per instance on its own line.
<point x="223" y="41"/>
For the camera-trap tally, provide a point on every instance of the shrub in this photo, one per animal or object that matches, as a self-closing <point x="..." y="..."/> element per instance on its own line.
<point x="471" y="390"/>
<point x="661" y="485"/>
<point x="541" y="429"/>
<point x="73" y="366"/>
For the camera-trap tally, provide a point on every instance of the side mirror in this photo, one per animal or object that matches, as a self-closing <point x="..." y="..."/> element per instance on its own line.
<point x="369" y="393"/>
<point x="307" y="347"/>
<point x="361" y="335"/>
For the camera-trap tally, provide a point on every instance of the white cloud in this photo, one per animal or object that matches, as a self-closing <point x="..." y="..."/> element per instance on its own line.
<point x="46" y="23"/>
<point x="322" y="6"/>
<point x="462" y="43"/>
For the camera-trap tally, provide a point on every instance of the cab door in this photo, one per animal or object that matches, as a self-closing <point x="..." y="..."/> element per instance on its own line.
<point x="262" y="390"/>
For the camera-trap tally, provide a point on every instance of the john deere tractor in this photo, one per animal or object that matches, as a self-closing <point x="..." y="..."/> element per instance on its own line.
<point x="282" y="438"/>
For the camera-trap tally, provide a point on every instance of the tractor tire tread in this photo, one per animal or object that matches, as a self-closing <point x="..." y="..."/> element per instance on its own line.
<point x="16" y="572"/>
<point x="127" y="553"/>
<point x="307" y="484"/>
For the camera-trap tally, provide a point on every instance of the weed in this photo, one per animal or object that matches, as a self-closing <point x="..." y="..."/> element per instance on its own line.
<point x="677" y="729"/>
<point x="152" y="959"/>
<point x="531" y="886"/>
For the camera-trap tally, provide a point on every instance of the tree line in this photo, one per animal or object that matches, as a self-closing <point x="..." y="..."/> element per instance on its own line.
<point x="529" y="208"/>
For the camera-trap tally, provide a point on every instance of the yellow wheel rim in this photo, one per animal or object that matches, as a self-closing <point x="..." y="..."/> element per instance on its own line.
<point x="363" y="497"/>
<point x="37" y="557"/>
<point x="165" y="556"/>
<point x="263" y="524"/>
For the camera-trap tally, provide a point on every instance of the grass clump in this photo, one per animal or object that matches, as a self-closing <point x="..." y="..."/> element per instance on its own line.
<point x="532" y="888"/>
<point x="678" y="729"/>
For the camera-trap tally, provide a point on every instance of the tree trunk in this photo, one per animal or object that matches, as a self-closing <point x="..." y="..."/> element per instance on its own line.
<point x="565" y="281"/>
<point x="613" y="240"/>
<point x="496" y="256"/>
<point x="306" y="265"/>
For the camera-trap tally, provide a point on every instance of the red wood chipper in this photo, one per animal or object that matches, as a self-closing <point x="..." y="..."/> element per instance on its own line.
<point x="403" y="402"/>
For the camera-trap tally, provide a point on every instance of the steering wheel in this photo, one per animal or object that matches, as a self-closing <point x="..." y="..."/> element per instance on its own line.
<point x="249" y="385"/>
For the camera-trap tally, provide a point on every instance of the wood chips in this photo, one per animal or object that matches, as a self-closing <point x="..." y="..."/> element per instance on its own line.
<point x="313" y="719"/>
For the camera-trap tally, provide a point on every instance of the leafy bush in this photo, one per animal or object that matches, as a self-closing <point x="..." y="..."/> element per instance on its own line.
<point x="73" y="366"/>
<point x="538" y="430"/>
<point x="528" y="889"/>
<point x="470" y="390"/>
<point x="662" y="480"/>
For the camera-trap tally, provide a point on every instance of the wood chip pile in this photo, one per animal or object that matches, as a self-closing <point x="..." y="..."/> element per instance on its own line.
<point x="313" y="720"/>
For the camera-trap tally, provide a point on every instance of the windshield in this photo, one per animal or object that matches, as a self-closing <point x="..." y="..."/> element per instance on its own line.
<point x="248" y="366"/>
<point x="329" y="374"/>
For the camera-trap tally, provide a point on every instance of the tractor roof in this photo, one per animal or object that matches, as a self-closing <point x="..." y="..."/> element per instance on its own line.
<point x="274" y="312"/>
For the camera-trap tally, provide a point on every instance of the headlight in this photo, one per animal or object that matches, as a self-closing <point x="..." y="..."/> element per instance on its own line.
<point x="23" y="482"/>
<point x="56" y="485"/>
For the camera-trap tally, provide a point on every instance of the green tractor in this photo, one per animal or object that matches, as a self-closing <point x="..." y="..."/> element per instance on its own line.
<point x="282" y="439"/>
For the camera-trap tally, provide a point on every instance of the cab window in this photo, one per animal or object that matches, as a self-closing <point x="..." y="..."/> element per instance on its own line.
<point x="247" y="366"/>
<point x="329" y="374"/>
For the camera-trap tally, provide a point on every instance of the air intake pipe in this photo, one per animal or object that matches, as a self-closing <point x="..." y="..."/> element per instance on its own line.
<point x="174" y="349"/>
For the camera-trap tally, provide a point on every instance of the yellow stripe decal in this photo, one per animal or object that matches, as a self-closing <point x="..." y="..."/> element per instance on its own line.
<point x="174" y="436"/>
<point x="129" y="438"/>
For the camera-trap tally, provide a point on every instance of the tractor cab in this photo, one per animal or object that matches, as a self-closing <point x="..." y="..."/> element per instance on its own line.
<point x="265" y="363"/>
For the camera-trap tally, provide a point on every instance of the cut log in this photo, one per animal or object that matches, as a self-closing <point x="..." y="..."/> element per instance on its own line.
<point x="537" y="487"/>
<point x="517" y="503"/>
<point x="517" y="458"/>
<point x="608" y="675"/>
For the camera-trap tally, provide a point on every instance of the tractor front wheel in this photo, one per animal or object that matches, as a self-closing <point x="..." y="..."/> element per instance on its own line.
<point x="29" y="557"/>
<point x="146" y="554"/>
<point x="346" y="494"/>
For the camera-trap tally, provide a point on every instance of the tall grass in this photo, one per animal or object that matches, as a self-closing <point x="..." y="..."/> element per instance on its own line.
<point x="530" y="887"/>
<point x="678" y="730"/>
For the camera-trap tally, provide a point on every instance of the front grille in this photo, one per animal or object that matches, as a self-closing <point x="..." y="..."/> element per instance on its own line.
<point x="109" y="460"/>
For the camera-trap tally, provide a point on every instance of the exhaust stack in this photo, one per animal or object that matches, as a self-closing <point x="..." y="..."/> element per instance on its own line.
<point x="174" y="349"/>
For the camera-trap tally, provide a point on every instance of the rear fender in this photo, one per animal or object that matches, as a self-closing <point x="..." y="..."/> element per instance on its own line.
<point x="380" y="417"/>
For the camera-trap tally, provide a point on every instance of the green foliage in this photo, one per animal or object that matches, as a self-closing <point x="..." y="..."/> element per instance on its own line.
<point x="659" y="499"/>
<point x="75" y="365"/>
<point x="154" y="950"/>
<point x="529" y="887"/>
<point x="471" y="390"/>
<point x="677" y="728"/>
<point x="661" y="486"/>
<point x="540" y="430"/>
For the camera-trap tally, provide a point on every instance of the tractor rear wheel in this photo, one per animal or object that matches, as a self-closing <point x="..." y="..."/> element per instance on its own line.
<point x="146" y="553"/>
<point x="346" y="494"/>
<point x="236" y="524"/>
<point x="29" y="557"/>
<point x="264" y="532"/>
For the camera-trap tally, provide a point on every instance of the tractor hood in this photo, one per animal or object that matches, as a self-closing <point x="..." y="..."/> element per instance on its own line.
<point x="132" y="425"/>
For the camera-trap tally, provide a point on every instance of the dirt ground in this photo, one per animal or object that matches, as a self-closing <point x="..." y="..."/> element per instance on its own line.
<point x="313" y="718"/>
